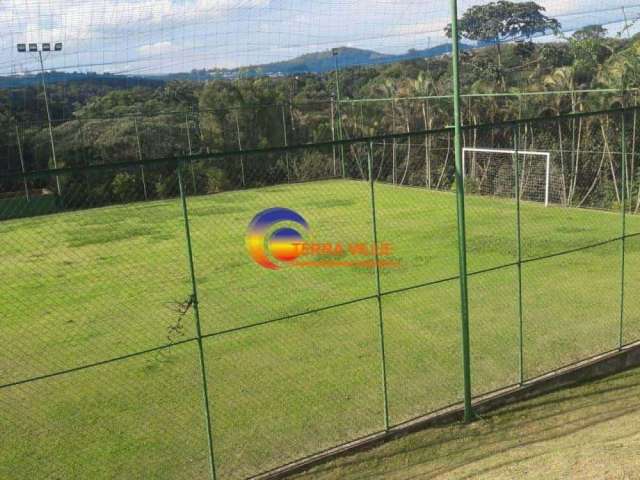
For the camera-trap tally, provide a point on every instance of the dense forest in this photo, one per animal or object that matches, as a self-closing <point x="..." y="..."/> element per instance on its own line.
<point x="511" y="77"/>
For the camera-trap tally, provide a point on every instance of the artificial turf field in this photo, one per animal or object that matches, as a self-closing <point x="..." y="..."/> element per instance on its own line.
<point x="87" y="286"/>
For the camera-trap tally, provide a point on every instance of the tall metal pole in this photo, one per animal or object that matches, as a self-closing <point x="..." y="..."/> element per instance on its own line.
<point x="286" y="144"/>
<point x="333" y="135"/>
<point x="516" y="167"/>
<point x="393" y="144"/>
<point x="84" y="150"/>
<point x="383" y="360"/>
<point x="196" y="314"/>
<point x="144" y="181"/>
<point x="24" y="179"/>
<point x="193" y="174"/>
<point x="339" y="112"/>
<point x="240" y="148"/>
<point x="46" y="103"/>
<point x="623" y="209"/>
<point x="626" y="23"/>
<point x="469" y="415"/>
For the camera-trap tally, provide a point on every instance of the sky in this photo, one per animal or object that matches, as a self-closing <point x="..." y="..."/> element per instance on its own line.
<point x="139" y="37"/>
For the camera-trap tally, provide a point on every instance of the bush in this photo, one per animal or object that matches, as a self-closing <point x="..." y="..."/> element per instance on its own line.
<point x="314" y="166"/>
<point x="217" y="181"/>
<point x="124" y="187"/>
<point x="471" y="186"/>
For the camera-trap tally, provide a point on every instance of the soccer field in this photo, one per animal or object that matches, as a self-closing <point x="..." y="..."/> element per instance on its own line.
<point x="293" y="356"/>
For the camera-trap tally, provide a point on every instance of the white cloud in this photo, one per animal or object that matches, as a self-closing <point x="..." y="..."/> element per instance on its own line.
<point x="170" y="35"/>
<point x="434" y="27"/>
<point x="75" y="17"/>
<point x="154" y="48"/>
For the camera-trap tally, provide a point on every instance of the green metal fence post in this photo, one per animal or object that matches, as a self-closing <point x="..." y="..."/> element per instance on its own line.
<point x="378" y="289"/>
<point x="469" y="415"/>
<point x="196" y="314"/>
<point x="623" y="209"/>
<point x="516" y="137"/>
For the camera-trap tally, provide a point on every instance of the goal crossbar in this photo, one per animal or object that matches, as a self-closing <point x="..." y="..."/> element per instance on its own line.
<point x="545" y="155"/>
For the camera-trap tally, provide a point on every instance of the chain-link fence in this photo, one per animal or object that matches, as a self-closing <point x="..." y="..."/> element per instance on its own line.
<point x="158" y="323"/>
<point x="218" y="266"/>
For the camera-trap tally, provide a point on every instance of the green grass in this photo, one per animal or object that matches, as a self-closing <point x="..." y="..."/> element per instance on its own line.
<point x="587" y="432"/>
<point x="86" y="286"/>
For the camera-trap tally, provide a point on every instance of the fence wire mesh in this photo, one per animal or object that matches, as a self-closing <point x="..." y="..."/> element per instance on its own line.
<point x="100" y="285"/>
<point x="153" y="327"/>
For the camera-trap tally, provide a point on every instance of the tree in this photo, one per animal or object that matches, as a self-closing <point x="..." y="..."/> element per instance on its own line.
<point x="589" y="54"/>
<point x="125" y="187"/>
<point x="504" y="21"/>
<point x="564" y="79"/>
<point x="426" y="85"/>
<point x="551" y="57"/>
<point x="590" y="32"/>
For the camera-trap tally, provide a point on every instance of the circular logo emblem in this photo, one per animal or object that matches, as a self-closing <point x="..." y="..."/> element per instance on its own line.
<point x="265" y="241"/>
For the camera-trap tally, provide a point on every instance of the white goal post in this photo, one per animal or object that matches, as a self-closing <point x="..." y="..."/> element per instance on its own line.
<point x="502" y="154"/>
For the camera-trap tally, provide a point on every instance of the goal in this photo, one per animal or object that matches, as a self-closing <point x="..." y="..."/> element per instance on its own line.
<point x="503" y="172"/>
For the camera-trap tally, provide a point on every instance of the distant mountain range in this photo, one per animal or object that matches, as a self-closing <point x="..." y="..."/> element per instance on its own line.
<point x="321" y="62"/>
<point x="117" y="81"/>
<point x="318" y="62"/>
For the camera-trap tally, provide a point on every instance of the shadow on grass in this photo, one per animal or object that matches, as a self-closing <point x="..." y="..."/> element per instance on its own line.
<point x="444" y="451"/>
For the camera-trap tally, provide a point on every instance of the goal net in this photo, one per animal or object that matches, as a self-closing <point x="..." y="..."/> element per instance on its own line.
<point x="504" y="173"/>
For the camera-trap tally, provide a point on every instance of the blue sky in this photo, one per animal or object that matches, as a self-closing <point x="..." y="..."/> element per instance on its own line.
<point x="160" y="36"/>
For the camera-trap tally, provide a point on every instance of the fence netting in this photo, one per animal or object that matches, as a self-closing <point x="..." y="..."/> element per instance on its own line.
<point x="216" y="281"/>
<point x="345" y="341"/>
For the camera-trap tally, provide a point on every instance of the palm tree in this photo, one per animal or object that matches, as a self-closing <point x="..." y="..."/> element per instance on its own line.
<point x="622" y="72"/>
<point x="604" y="127"/>
<point x="425" y="86"/>
<point x="389" y="89"/>
<point x="564" y="79"/>
<point x="555" y="107"/>
<point x="484" y="106"/>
